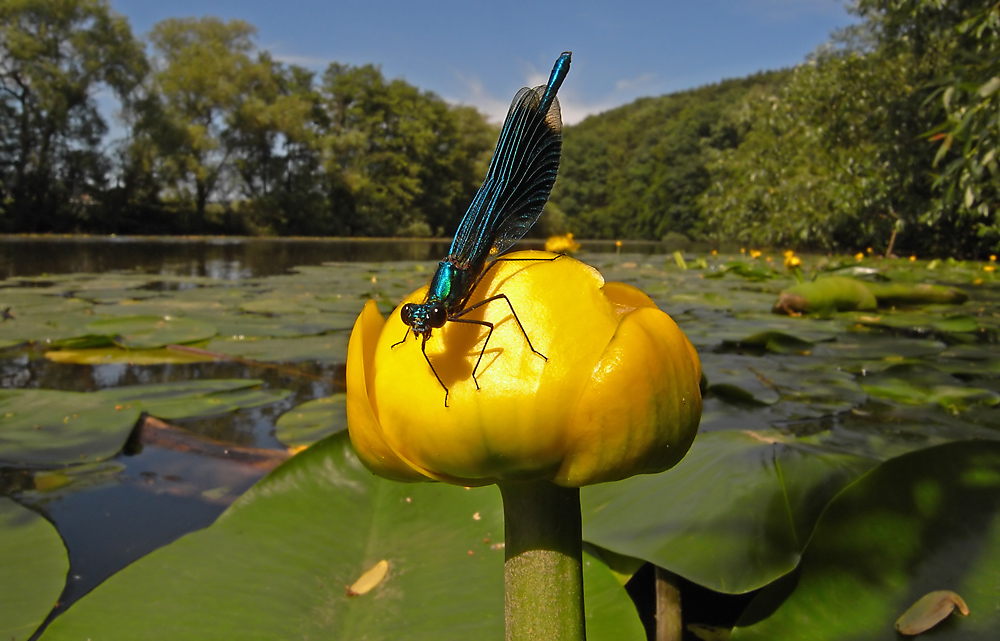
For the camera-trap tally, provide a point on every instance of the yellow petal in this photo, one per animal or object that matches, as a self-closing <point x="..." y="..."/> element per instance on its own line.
<point x="641" y="410"/>
<point x="513" y="423"/>
<point x="367" y="581"/>
<point x="929" y="610"/>
<point x="362" y="423"/>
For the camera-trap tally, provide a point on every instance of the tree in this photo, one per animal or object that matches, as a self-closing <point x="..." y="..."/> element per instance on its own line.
<point x="637" y="171"/>
<point x="398" y="160"/>
<point x="204" y="77"/>
<point x="953" y="70"/>
<point x="54" y="57"/>
<point x="275" y="137"/>
<point x="815" y="164"/>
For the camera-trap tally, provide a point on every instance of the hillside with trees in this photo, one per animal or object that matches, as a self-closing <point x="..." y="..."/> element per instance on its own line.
<point x="886" y="137"/>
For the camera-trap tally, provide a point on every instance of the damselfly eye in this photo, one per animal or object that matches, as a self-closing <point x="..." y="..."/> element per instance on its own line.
<point x="406" y="314"/>
<point x="438" y="315"/>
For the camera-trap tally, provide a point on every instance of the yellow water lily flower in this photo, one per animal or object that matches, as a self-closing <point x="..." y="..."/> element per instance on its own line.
<point x="616" y="395"/>
<point x="563" y="244"/>
<point x="792" y="261"/>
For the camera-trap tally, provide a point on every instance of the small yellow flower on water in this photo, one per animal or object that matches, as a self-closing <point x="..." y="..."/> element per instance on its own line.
<point x="562" y="244"/>
<point x="869" y="250"/>
<point x="754" y="253"/>
<point x="619" y="394"/>
<point x="912" y="258"/>
<point x="715" y="252"/>
<point x="993" y="258"/>
<point x="792" y="261"/>
<point x="989" y="268"/>
<point x="859" y="257"/>
<point x="743" y="250"/>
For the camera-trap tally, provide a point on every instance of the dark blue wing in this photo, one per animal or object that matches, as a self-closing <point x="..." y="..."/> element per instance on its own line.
<point x="520" y="177"/>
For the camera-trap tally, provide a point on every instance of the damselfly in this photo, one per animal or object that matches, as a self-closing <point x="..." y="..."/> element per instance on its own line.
<point x="517" y="185"/>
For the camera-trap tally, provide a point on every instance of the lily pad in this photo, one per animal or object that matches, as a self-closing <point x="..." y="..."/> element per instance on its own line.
<point x="923" y="384"/>
<point x="109" y="355"/>
<point x="214" y="403"/>
<point x="148" y="332"/>
<point x="312" y="421"/>
<point x="329" y="348"/>
<point x="826" y="295"/>
<point x="33" y="567"/>
<point x="733" y="515"/>
<point x="190" y="399"/>
<point x="312" y="527"/>
<point x="49" y="427"/>
<point x="922" y="522"/>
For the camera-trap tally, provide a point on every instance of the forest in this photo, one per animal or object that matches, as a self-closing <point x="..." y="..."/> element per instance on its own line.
<point x="886" y="137"/>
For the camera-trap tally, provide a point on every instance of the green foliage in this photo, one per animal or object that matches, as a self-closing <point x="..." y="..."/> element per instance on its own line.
<point x="636" y="171"/>
<point x="396" y="156"/>
<point x="887" y="137"/>
<point x="54" y="56"/>
<point x="220" y="137"/>
<point x="839" y="157"/>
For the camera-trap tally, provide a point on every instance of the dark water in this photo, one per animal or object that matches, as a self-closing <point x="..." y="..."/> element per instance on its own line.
<point x="224" y="258"/>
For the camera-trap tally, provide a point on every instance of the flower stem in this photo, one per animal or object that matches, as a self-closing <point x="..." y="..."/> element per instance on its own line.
<point x="543" y="568"/>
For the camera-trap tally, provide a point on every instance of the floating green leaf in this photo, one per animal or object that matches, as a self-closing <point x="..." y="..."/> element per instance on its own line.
<point x="329" y="347"/>
<point x="109" y="355"/>
<point x="916" y="524"/>
<point x="33" y="567"/>
<point x="732" y="516"/>
<point x="311" y="528"/>
<point x="826" y="295"/>
<point x="190" y="399"/>
<point x="149" y="332"/>
<point x="49" y="427"/>
<point x="311" y="421"/>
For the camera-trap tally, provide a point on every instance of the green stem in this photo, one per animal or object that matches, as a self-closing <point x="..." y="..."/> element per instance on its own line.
<point x="668" y="606"/>
<point x="543" y="568"/>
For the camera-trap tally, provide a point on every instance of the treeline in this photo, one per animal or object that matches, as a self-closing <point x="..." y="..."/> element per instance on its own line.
<point x="218" y="136"/>
<point x="886" y="138"/>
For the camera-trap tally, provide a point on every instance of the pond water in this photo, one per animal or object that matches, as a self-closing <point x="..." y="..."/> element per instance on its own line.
<point x="223" y="258"/>
<point x="113" y="512"/>
<point x="262" y="328"/>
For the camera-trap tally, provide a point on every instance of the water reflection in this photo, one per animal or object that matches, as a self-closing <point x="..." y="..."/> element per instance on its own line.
<point x="225" y="258"/>
<point x="222" y="259"/>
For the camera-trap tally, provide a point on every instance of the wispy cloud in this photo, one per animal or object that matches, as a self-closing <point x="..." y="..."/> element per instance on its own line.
<point x="633" y="85"/>
<point x="574" y="108"/>
<point x="279" y="51"/>
<point x="310" y="62"/>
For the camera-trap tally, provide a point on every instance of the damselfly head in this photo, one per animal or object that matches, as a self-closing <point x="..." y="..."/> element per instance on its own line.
<point x="423" y="317"/>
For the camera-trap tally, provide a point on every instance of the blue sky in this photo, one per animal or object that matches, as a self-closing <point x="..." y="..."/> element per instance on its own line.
<point x="481" y="53"/>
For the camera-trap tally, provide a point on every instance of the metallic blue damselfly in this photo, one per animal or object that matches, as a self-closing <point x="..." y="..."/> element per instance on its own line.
<point x="517" y="185"/>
